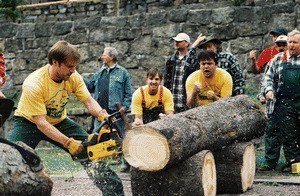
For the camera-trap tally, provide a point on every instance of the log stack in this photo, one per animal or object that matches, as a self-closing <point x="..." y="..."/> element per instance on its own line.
<point x="164" y="144"/>
<point x="17" y="178"/>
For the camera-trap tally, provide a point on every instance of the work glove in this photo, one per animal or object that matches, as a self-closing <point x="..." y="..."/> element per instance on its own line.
<point x="102" y="115"/>
<point x="74" y="146"/>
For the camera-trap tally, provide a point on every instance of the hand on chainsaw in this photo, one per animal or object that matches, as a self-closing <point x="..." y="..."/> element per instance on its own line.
<point x="102" y="115"/>
<point x="74" y="146"/>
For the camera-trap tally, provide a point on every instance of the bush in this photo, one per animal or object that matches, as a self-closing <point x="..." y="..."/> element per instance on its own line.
<point x="9" y="9"/>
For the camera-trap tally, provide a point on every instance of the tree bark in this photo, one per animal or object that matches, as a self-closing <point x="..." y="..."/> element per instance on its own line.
<point x="194" y="176"/>
<point x="235" y="168"/>
<point x="17" y="178"/>
<point x="162" y="143"/>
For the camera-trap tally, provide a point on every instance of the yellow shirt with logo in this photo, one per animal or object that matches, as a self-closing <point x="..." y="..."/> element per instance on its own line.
<point x="151" y="100"/>
<point x="42" y="96"/>
<point x="220" y="84"/>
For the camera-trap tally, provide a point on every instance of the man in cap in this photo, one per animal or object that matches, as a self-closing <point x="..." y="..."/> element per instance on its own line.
<point x="178" y="67"/>
<point x="283" y="82"/>
<point x="226" y="61"/>
<point x="281" y="43"/>
<point x="267" y="54"/>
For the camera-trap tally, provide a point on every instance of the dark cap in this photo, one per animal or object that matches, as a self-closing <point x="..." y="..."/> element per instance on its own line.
<point x="279" y="31"/>
<point x="209" y="38"/>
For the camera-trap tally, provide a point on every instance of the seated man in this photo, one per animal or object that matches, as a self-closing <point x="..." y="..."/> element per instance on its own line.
<point x="208" y="84"/>
<point x="152" y="101"/>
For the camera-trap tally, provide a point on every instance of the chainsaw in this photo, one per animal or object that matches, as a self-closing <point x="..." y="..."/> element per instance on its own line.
<point x="105" y="142"/>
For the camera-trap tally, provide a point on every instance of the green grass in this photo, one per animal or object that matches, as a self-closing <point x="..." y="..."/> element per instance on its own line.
<point x="260" y="153"/>
<point x="58" y="162"/>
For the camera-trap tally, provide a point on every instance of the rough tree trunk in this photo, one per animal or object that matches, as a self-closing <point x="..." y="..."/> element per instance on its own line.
<point x="194" y="176"/>
<point x="17" y="178"/>
<point x="235" y="168"/>
<point x="165" y="142"/>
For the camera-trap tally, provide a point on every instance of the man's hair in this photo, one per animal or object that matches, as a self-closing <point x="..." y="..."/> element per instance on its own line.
<point x="112" y="52"/>
<point x="207" y="55"/>
<point x="62" y="51"/>
<point x="216" y="44"/>
<point x="293" y="32"/>
<point x="152" y="73"/>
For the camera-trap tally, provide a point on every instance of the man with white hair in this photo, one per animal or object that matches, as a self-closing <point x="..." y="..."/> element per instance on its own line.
<point x="179" y="66"/>
<point x="283" y="82"/>
<point x="112" y="85"/>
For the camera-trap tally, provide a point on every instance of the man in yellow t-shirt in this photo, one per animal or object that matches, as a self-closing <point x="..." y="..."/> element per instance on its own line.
<point x="152" y="101"/>
<point x="41" y="112"/>
<point x="208" y="84"/>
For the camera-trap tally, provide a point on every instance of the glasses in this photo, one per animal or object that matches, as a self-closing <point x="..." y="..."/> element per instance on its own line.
<point x="281" y="44"/>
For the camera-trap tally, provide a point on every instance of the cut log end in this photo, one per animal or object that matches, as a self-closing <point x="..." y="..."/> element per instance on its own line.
<point x="146" y="149"/>
<point x="235" y="168"/>
<point x="209" y="178"/>
<point x="248" y="168"/>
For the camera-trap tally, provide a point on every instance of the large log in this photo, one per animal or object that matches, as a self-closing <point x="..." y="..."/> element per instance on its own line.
<point x="162" y="143"/>
<point x="194" y="176"/>
<point x="235" y="168"/>
<point x="17" y="178"/>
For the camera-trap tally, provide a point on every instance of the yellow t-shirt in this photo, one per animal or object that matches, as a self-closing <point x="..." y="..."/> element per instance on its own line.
<point x="42" y="96"/>
<point x="151" y="100"/>
<point x="220" y="84"/>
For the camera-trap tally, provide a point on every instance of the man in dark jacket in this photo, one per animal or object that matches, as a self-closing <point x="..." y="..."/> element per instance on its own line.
<point x="178" y="67"/>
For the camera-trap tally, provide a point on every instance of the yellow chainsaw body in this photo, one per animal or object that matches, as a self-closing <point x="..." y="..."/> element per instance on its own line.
<point x="103" y="149"/>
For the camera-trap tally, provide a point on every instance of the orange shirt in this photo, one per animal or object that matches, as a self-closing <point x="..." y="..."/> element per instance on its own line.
<point x="266" y="55"/>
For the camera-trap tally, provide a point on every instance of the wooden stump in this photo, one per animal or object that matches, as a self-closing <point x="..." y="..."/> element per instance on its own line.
<point x="194" y="176"/>
<point x="17" y="178"/>
<point x="162" y="143"/>
<point x="235" y="168"/>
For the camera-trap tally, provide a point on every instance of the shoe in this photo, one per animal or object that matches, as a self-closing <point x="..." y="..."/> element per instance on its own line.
<point x="266" y="168"/>
<point x="125" y="167"/>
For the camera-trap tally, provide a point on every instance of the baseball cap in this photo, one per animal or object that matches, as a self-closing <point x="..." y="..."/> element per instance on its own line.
<point x="281" y="39"/>
<point x="279" y="31"/>
<point x="182" y="37"/>
<point x="209" y="38"/>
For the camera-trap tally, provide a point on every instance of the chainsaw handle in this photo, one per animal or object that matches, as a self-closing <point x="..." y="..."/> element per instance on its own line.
<point x="92" y="141"/>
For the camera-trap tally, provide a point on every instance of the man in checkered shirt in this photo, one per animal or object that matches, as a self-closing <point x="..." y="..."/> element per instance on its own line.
<point x="283" y="83"/>
<point x="179" y="66"/>
<point x="226" y="61"/>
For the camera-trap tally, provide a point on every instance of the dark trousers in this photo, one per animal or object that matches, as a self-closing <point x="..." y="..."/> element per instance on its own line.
<point x="283" y="129"/>
<point x="101" y="174"/>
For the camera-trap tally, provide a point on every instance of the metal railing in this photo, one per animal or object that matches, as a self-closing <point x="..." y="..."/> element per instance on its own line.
<point x="36" y="3"/>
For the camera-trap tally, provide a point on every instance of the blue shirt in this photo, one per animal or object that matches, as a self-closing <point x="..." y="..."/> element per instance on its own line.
<point x="120" y="89"/>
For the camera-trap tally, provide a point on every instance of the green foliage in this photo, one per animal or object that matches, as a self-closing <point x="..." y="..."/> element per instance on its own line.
<point x="9" y="10"/>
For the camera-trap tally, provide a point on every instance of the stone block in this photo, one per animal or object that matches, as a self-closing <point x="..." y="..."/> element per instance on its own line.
<point x="202" y="17"/>
<point x="223" y="15"/>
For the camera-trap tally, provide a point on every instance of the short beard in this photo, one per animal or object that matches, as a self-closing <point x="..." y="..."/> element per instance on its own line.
<point x="180" y="49"/>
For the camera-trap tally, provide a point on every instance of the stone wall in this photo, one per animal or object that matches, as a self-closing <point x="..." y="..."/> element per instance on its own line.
<point x="140" y="30"/>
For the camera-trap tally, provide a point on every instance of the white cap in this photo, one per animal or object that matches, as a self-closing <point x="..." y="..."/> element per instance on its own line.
<point x="182" y="37"/>
<point x="281" y="39"/>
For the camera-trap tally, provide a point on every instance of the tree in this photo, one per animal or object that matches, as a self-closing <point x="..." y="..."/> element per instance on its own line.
<point x="9" y="9"/>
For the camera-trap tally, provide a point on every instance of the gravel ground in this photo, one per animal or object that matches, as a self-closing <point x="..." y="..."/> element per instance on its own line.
<point x="80" y="184"/>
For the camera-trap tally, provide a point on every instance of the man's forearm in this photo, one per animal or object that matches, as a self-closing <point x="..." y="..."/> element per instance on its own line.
<point x="49" y="130"/>
<point x="93" y="107"/>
